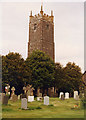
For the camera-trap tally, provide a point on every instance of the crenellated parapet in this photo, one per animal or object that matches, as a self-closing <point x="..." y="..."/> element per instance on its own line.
<point x="42" y="15"/>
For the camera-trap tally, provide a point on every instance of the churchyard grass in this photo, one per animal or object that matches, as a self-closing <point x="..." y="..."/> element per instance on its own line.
<point x="57" y="109"/>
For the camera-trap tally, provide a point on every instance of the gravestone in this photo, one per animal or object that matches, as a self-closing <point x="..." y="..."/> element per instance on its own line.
<point x="75" y="93"/>
<point x="66" y="95"/>
<point x="61" y="93"/>
<point x="29" y="90"/>
<point x="39" y="98"/>
<point x="13" y="92"/>
<point x="30" y="98"/>
<point x="24" y="103"/>
<point x="14" y="98"/>
<point x="5" y="100"/>
<point x="46" y="100"/>
<point x="62" y="96"/>
<point x="18" y="97"/>
<point x="77" y="97"/>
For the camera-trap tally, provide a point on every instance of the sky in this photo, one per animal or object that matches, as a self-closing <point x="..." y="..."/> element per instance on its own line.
<point x="68" y="29"/>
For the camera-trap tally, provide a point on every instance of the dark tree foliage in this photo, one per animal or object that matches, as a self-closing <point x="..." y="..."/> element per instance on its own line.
<point x="73" y="77"/>
<point x="59" y="76"/>
<point x="42" y="68"/>
<point x="14" y="71"/>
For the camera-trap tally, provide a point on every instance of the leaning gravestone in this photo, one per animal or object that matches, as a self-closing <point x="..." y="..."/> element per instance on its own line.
<point x="46" y="100"/>
<point x="5" y="100"/>
<point x="75" y="94"/>
<point x="61" y="93"/>
<point x="24" y="103"/>
<point x="62" y="97"/>
<point x="66" y="95"/>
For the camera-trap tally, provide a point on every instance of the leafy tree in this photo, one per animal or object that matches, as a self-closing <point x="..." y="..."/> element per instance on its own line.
<point x="14" y="71"/>
<point x="59" y="76"/>
<point x="42" y="68"/>
<point x="73" y="77"/>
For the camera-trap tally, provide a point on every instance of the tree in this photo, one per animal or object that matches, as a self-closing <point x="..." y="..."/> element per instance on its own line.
<point x="14" y="71"/>
<point x="73" y="77"/>
<point x="42" y="68"/>
<point x="59" y="76"/>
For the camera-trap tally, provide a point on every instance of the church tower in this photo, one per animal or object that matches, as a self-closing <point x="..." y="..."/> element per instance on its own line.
<point x="41" y="33"/>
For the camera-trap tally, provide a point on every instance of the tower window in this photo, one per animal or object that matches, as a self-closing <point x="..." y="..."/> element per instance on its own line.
<point x="47" y="26"/>
<point x="35" y="25"/>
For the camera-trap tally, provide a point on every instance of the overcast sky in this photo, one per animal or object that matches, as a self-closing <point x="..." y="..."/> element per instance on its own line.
<point x="68" y="29"/>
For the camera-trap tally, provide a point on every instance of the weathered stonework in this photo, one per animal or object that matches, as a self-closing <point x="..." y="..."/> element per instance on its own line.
<point x="41" y="33"/>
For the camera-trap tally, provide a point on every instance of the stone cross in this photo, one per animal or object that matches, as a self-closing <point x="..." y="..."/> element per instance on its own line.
<point x="13" y="89"/>
<point x="29" y="90"/>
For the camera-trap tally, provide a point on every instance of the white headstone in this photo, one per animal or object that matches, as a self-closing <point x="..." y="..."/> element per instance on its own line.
<point x="61" y="93"/>
<point x="23" y="103"/>
<point x="66" y="95"/>
<point x="75" y="94"/>
<point x="39" y="98"/>
<point x="30" y="98"/>
<point x="46" y="100"/>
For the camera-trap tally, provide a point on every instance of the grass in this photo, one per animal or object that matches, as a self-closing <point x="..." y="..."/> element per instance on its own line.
<point x="56" y="109"/>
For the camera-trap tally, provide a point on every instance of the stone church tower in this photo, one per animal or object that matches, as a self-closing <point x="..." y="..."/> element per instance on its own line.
<point x="41" y="33"/>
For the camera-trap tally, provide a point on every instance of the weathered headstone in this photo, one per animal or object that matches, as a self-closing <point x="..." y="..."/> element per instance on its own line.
<point x="24" y="103"/>
<point x="61" y="93"/>
<point x="14" y="98"/>
<point x="30" y="98"/>
<point x="5" y="100"/>
<point x="62" y="97"/>
<point x="66" y="95"/>
<point x="75" y="93"/>
<point x="46" y="100"/>
<point x="13" y="89"/>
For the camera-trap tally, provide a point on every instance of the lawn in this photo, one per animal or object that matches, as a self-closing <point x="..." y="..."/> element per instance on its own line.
<point x="56" y="109"/>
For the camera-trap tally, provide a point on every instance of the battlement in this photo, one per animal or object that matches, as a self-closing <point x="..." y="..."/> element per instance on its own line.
<point x="42" y="15"/>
